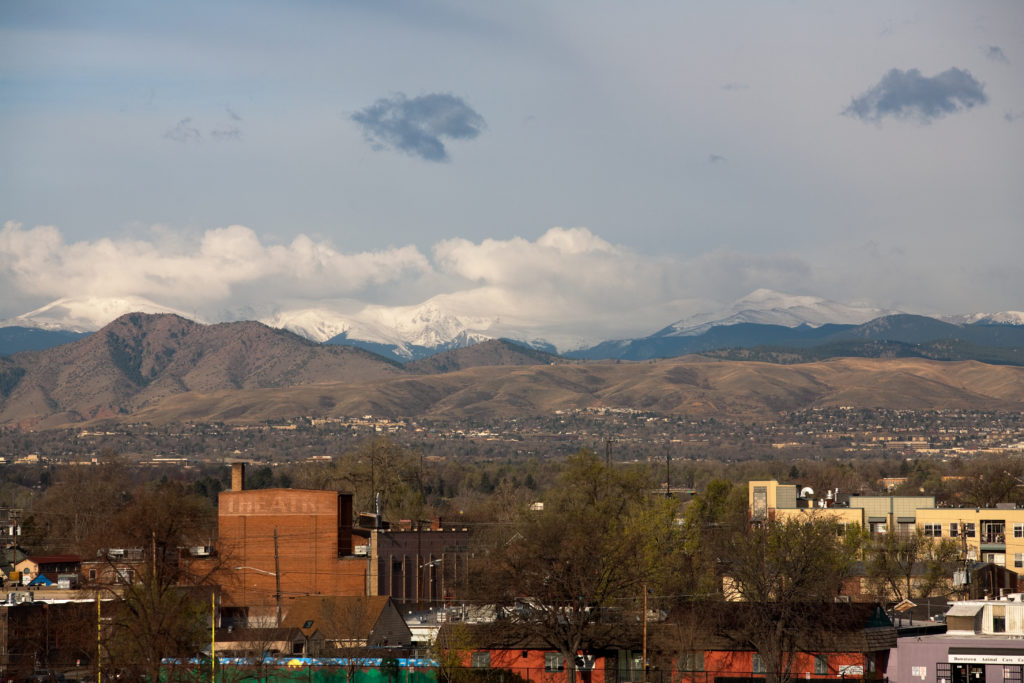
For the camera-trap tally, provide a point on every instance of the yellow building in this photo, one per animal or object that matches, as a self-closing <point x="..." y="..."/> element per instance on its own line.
<point x="769" y="500"/>
<point x="993" y="535"/>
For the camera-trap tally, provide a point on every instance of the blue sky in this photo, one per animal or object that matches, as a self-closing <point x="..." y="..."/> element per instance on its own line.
<point x="551" y="163"/>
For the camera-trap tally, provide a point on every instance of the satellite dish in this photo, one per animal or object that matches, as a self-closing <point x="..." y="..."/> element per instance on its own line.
<point x="806" y="492"/>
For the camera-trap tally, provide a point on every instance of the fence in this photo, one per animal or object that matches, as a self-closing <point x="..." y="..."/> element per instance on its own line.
<point x="317" y="671"/>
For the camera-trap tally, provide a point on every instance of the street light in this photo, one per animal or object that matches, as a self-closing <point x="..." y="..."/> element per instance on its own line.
<point x="424" y="582"/>
<point x="277" y="582"/>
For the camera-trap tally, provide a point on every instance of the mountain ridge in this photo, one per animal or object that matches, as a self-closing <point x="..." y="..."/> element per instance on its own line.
<point x="161" y="367"/>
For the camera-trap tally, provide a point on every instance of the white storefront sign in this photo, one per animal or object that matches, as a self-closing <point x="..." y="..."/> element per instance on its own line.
<point x="986" y="659"/>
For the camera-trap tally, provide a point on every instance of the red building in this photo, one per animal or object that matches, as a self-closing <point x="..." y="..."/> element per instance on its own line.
<point x="503" y="646"/>
<point x="713" y="643"/>
<point x="699" y="643"/>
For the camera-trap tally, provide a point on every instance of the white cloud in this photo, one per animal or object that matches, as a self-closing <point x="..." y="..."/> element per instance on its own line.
<point x="224" y="262"/>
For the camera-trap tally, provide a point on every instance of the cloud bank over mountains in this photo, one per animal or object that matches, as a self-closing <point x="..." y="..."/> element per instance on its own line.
<point x="569" y="286"/>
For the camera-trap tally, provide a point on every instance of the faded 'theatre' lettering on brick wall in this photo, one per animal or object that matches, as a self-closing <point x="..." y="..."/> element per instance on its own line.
<point x="269" y="505"/>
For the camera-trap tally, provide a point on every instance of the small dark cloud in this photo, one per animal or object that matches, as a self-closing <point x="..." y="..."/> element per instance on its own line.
<point x="735" y="86"/>
<point x="226" y="133"/>
<point x="996" y="54"/>
<point x="1012" y="116"/>
<point x="184" y="132"/>
<point x="415" y="126"/>
<point x="716" y="159"/>
<point x="908" y="94"/>
<point x="232" y="114"/>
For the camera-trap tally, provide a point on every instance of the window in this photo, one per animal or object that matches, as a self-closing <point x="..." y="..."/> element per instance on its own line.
<point x="933" y="530"/>
<point x="630" y="666"/>
<point x="757" y="664"/>
<point x="92" y="574"/>
<point x="1018" y="530"/>
<point x="998" y="559"/>
<point x="998" y="618"/>
<point x="691" y="661"/>
<point x="553" y="661"/>
<point x="1018" y="560"/>
<point x="969" y="529"/>
<point x="481" y="660"/>
<point x="759" y="507"/>
<point x="953" y="529"/>
<point x="821" y="664"/>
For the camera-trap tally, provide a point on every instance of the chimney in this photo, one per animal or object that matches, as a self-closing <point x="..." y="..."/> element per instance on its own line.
<point x="238" y="476"/>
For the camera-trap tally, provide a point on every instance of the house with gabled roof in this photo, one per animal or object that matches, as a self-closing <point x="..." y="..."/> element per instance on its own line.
<point x="337" y="623"/>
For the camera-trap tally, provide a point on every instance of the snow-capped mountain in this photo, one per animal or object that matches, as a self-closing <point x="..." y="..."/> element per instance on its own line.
<point x="86" y="314"/>
<point x="768" y="307"/>
<point x="410" y="332"/>
<point x="1001" y="318"/>
<point x="405" y="332"/>
<point x="316" y="324"/>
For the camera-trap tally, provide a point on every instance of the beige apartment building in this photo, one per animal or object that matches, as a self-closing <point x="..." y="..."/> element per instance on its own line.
<point x="993" y="535"/>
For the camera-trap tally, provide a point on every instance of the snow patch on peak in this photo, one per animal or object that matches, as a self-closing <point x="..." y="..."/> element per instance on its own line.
<point x="317" y="324"/>
<point x="87" y="314"/>
<point x="768" y="307"/>
<point x="427" y="325"/>
<point x="1001" y="318"/>
<point x="770" y="299"/>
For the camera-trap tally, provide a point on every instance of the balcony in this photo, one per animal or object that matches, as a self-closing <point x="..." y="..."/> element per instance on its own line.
<point x="993" y="537"/>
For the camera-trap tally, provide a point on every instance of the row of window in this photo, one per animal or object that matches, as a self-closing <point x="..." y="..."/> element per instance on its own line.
<point x="553" y="661"/>
<point x="967" y="529"/>
<point x="820" y="665"/>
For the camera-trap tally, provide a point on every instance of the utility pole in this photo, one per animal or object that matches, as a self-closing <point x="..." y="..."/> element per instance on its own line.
<point x="99" y="640"/>
<point x="668" y="473"/>
<point x="419" y="563"/>
<point x="277" y="578"/>
<point x="213" y="637"/>
<point x="643" y="658"/>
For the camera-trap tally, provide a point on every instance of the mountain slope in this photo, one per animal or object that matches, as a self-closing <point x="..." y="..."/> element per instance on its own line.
<point x="901" y="334"/>
<point x="140" y="359"/>
<point x="15" y="338"/>
<point x="492" y="352"/>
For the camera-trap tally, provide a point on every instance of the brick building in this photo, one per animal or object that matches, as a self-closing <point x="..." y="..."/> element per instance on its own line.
<point x="275" y="545"/>
<point x="278" y="544"/>
<point x="425" y="564"/>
